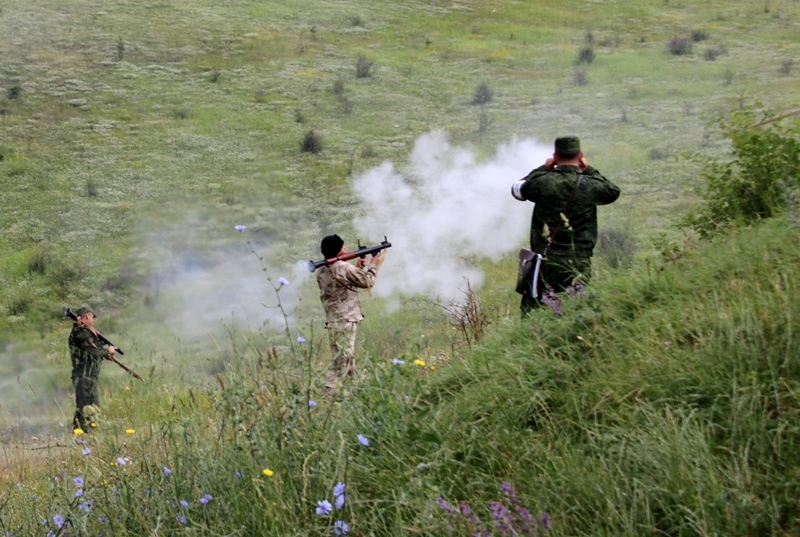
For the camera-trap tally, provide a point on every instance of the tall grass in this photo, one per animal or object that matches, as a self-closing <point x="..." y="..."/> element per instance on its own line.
<point x="663" y="400"/>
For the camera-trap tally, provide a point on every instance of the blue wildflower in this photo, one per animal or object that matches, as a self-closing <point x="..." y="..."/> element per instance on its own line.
<point x="78" y="481"/>
<point x="301" y="339"/>
<point x="283" y="281"/>
<point x="312" y="403"/>
<point x="205" y="499"/>
<point x="184" y="504"/>
<point x="340" y="501"/>
<point x="181" y="519"/>
<point x="240" y="228"/>
<point x="340" y="527"/>
<point x="121" y="461"/>
<point x="58" y="521"/>
<point x="324" y="507"/>
<point x="363" y="440"/>
<point x="338" y="490"/>
<point x="86" y="506"/>
<point x="167" y="471"/>
<point x="79" y="493"/>
<point x="86" y="451"/>
<point x="102" y="519"/>
<point x="398" y="361"/>
<point x="238" y="475"/>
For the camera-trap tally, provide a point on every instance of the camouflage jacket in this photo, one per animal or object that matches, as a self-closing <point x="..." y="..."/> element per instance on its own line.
<point x="550" y="191"/>
<point x="86" y="351"/>
<point x="338" y="290"/>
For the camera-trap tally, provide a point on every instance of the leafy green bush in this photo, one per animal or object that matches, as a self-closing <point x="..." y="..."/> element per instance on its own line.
<point x="756" y="182"/>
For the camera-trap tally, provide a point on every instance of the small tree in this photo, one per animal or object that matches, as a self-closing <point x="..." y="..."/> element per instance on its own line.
<point x="759" y="180"/>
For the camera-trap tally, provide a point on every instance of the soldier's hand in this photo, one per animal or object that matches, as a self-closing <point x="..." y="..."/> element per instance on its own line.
<point x="112" y="350"/>
<point x="583" y="164"/>
<point x="377" y="260"/>
<point x="362" y="262"/>
<point x="550" y="164"/>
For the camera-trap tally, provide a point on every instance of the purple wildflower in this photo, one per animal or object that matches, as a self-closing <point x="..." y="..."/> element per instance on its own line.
<point x="102" y="519"/>
<point x="340" y="527"/>
<point x="184" y="504"/>
<point x="205" y="499"/>
<point x="398" y="361"/>
<point x="444" y="505"/>
<point x="86" y="451"/>
<point x="312" y="403"/>
<point x="283" y="281"/>
<point x="240" y="228"/>
<point x="121" y="461"/>
<point x="181" y="519"/>
<point x="363" y="440"/>
<point x="238" y="475"/>
<point x="58" y="521"/>
<point x="86" y="506"/>
<point x="546" y="521"/>
<point x="324" y="508"/>
<point x="340" y="501"/>
<point x="167" y="471"/>
<point x="78" y="481"/>
<point x="338" y="490"/>
<point x="301" y="339"/>
<point x="79" y="493"/>
<point x="501" y="516"/>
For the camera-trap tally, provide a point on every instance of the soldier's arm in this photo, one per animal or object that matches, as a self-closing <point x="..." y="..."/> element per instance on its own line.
<point x="362" y="278"/>
<point x="528" y="184"/>
<point x="603" y="190"/>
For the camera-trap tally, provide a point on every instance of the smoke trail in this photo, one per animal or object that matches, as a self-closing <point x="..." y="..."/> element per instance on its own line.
<point x="444" y="210"/>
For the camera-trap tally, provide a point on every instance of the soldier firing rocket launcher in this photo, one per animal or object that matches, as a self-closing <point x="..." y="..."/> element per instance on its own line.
<point x="363" y="251"/>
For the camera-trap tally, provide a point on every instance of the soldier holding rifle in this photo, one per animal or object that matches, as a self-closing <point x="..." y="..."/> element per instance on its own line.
<point x="87" y="350"/>
<point x="339" y="283"/>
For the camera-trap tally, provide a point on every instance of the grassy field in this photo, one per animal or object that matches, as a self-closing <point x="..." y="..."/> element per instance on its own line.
<point x="134" y="136"/>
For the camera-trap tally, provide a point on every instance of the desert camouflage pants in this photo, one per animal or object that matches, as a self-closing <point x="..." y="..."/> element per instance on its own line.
<point x="343" y="346"/>
<point x="87" y="401"/>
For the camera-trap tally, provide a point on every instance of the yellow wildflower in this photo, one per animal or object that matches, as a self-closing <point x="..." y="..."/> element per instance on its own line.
<point x="130" y="431"/>
<point x="267" y="472"/>
<point x="419" y="362"/>
<point x="77" y="431"/>
<point x="93" y="425"/>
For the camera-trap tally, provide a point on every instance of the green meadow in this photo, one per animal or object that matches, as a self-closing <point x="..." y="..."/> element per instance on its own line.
<point x="134" y="136"/>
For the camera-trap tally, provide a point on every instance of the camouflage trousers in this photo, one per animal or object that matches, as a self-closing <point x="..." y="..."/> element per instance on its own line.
<point x="557" y="273"/>
<point x="343" y="346"/>
<point x="87" y="401"/>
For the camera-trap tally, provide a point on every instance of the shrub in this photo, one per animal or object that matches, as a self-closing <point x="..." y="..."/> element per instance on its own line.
<point x="585" y="56"/>
<point x="483" y="94"/>
<point x="363" y="67"/>
<point x="616" y="247"/>
<point x="580" y="76"/>
<point x="38" y="262"/>
<point x="786" y="66"/>
<point x="312" y="142"/>
<point x="679" y="46"/>
<point x="756" y="183"/>
<point x="699" y="35"/>
<point x="14" y="92"/>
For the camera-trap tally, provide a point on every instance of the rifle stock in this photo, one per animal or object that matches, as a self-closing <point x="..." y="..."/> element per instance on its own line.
<point x="362" y="251"/>
<point x="71" y="314"/>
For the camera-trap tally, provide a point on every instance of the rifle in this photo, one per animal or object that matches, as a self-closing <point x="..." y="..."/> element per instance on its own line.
<point x="362" y="251"/>
<point x="71" y="314"/>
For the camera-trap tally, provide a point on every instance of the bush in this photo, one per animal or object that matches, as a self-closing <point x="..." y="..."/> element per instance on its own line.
<point x="483" y="94"/>
<point x="580" y="76"/>
<point x="363" y="67"/>
<point x="757" y="182"/>
<point x="312" y="142"/>
<point x="679" y="46"/>
<point x="585" y="56"/>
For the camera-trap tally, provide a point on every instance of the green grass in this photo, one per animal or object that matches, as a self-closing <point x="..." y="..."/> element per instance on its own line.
<point x="144" y="132"/>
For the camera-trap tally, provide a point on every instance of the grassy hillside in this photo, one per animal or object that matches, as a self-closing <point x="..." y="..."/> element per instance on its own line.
<point x="135" y="135"/>
<point x="665" y="402"/>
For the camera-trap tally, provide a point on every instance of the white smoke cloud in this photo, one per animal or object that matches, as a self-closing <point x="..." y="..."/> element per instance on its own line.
<point x="444" y="209"/>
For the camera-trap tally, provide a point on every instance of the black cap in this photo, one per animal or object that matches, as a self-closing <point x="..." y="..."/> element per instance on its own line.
<point x="331" y="245"/>
<point x="83" y="310"/>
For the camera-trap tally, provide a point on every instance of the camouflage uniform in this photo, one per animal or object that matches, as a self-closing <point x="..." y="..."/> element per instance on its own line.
<point x="569" y="255"/>
<point x="338" y="290"/>
<point x="86" y="351"/>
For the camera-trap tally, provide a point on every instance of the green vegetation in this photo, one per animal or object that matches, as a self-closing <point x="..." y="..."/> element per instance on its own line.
<point x="661" y="400"/>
